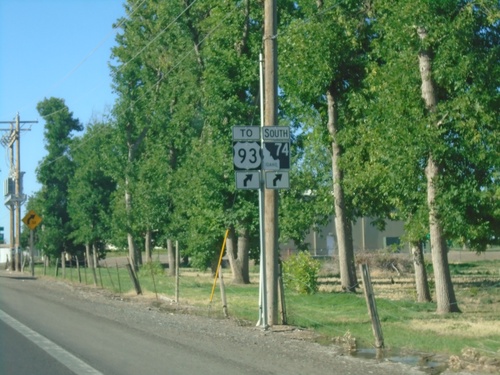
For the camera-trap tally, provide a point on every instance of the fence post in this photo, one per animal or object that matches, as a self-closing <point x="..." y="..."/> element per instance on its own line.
<point x="32" y="257"/>
<point x="281" y="293"/>
<point x="63" y="264"/>
<point x="85" y="267"/>
<point x="153" y="277"/>
<point x="372" y="307"/>
<point x="109" y="274"/>
<point x="78" y="269"/>
<point x="57" y="268"/>
<point x="223" y="293"/>
<point x="100" y="276"/>
<point x="119" y="282"/>
<point x="133" y="277"/>
<point x="177" y="258"/>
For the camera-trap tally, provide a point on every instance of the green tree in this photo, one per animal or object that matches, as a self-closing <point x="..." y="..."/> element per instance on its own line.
<point x="434" y="95"/>
<point x="91" y="188"/>
<point x="54" y="173"/>
<point x="323" y="53"/>
<point x="228" y="56"/>
<point x="308" y="202"/>
<point x="157" y="102"/>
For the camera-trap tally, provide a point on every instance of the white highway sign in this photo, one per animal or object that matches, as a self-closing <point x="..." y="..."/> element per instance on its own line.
<point x="247" y="179"/>
<point x="246" y="133"/>
<point x="276" y="156"/>
<point x="249" y="156"/>
<point x="277" y="180"/>
<point x="276" y="133"/>
<point x="246" y="155"/>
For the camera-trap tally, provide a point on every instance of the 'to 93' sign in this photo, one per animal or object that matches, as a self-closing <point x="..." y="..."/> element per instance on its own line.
<point x="246" y="155"/>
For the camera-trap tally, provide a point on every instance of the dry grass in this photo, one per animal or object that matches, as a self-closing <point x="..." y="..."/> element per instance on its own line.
<point x="466" y="328"/>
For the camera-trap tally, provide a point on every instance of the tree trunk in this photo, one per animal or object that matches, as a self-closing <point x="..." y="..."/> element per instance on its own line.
<point x="132" y="251"/>
<point x="135" y="256"/>
<point x="147" y="246"/>
<point x="243" y="253"/>
<point x="171" y="257"/>
<point x="343" y="225"/>
<point x="445" y="295"/>
<point x="92" y="261"/>
<point x="63" y="264"/>
<point x="94" y="256"/>
<point x="237" y="254"/>
<point x="88" y="256"/>
<point x="423" y="293"/>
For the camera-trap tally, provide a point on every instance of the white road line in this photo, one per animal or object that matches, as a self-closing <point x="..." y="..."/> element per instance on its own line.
<point x="66" y="358"/>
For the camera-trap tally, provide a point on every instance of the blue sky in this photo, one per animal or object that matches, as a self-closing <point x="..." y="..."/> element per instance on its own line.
<point x="52" y="48"/>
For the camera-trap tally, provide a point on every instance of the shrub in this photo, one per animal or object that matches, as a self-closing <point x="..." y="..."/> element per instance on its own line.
<point x="300" y="273"/>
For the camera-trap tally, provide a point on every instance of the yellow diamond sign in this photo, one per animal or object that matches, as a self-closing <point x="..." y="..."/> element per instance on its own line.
<point x="31" y="219"/>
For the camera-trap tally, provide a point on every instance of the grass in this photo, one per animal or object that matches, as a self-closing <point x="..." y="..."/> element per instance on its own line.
<point x="331" y="314"/>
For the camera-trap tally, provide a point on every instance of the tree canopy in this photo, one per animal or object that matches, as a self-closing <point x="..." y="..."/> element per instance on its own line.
<point x="394" y="108"/>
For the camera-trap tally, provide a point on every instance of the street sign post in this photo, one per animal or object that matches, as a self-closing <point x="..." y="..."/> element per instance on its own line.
<point x="32" y="220"/>
<point x="259" y="167"/>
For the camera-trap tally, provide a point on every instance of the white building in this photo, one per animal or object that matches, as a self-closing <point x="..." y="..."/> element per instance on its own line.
<point x="366" y="237"/>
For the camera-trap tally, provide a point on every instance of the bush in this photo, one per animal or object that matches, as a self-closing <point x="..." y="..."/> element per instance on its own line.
<point x="300" y="273"/>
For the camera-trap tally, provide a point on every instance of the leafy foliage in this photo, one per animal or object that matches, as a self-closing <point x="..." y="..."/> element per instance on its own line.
<point x="185" y="73"/>
<point x="91" y="189"/>
<point x="300" y="273"/>
<point x="54" y="173"/>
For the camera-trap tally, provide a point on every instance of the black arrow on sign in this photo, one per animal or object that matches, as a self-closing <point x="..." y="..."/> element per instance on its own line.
<point x="32" y="217"/>
<point x="277" y="178"/>
<point x="247" y="179"/>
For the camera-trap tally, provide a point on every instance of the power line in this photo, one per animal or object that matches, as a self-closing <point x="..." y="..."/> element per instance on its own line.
<point x="165" y="76"/>
<point x="93" y="51"/>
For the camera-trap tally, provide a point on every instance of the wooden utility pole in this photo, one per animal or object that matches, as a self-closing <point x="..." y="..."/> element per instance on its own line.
<point x="20" y="198"/>
<point x="14" y="194"/>
<point x="271" y="195"/>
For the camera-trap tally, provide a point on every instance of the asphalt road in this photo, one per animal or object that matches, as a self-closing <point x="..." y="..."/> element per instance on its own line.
<point x="59" y="330"/>
<point x="20" y="356"/>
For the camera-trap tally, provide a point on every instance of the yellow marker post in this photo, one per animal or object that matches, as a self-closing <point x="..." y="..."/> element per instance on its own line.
<point x="218" y="265"/>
